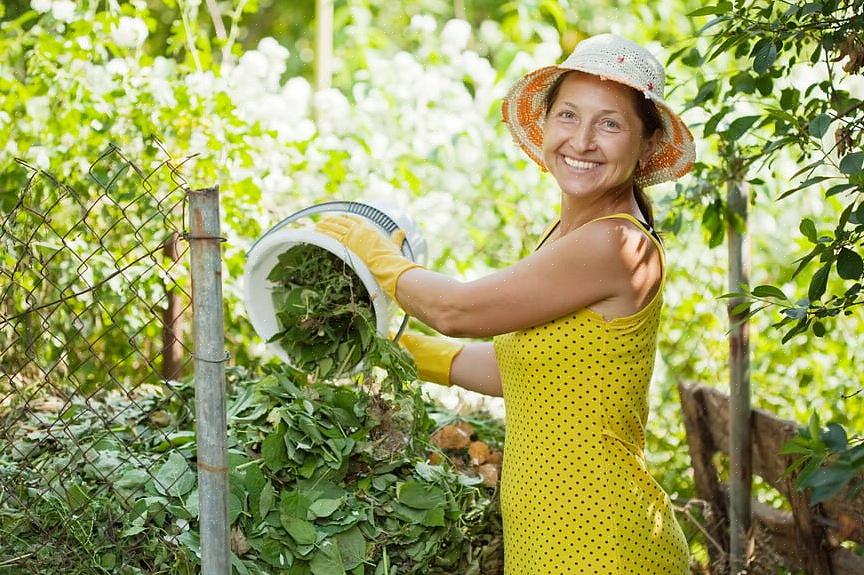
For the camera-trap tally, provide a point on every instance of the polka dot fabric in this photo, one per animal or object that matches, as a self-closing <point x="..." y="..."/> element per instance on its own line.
<point x="576" y="497"/>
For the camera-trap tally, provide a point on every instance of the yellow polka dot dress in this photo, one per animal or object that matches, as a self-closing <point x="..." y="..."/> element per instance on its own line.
<point x="576" y="497"/>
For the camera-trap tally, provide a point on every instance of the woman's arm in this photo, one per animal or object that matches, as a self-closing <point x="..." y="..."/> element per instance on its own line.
<point x="586" y="266"/>
<point x="475" y="368"/>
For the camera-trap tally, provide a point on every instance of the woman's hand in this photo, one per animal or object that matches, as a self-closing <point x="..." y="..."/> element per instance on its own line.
<point x="381" y="255"/>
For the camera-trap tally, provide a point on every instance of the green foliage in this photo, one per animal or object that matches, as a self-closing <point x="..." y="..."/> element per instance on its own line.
<point x="829" y="465"/>
<point x="325" y="314"/>
<point x="324" y="479"/>
<point x="768" y="51"/>
<point x="327" y="320"/>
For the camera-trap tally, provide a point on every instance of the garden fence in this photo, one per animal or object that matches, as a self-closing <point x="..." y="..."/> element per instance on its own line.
<point x="97" y="354"/>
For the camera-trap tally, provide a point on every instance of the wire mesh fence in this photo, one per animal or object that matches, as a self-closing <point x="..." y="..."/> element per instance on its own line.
<point x="95" y="353"/>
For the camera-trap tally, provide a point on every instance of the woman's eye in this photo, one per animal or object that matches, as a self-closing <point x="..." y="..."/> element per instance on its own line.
<point x="566" y="114"/>
<point x="610" y="124"/>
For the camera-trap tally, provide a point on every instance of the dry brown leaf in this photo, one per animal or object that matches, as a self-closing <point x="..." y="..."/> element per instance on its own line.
<point x="479" y="452"/>
<point x="451" y="437"/>
<point x="489" y="473"/>
<point x="160" y="418"/>
<point x="466" y="427"/>
<point x="496" y="457"/>
<point x="239" y="545"/>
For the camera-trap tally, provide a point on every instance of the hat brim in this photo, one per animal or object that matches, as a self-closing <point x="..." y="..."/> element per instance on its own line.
<point x="524" y="111"/>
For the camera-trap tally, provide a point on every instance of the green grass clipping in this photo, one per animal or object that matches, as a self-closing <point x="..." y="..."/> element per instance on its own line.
<point x="326" y="318"/>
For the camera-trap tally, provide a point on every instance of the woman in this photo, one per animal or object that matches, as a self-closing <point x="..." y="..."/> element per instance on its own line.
<point x="574" y="324"/>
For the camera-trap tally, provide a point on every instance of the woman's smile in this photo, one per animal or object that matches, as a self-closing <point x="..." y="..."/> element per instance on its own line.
<point x="580" y="166"/>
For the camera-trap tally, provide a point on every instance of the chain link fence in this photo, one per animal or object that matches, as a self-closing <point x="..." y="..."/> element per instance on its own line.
<point x="96" y="354"/>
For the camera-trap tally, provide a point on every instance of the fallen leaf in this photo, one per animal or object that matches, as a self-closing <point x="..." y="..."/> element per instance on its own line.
<point x="239" y="545"/>
<point x="489" y="473"/>
<point x="451" y="437"/>
<point x="479" y="452"/>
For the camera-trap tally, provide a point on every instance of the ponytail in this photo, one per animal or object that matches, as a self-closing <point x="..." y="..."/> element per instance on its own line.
<point x="644" y="204"/>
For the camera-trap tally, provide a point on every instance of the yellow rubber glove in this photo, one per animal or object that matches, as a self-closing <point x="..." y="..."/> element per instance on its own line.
<point x="380" y="254"/>
<point x="432" y="354"/>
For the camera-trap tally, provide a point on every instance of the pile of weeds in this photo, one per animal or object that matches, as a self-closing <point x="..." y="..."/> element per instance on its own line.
<point x="324" y="479"/>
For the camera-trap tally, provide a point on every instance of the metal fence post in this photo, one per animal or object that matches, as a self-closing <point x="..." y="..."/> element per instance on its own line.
<point x="210" y="407"/>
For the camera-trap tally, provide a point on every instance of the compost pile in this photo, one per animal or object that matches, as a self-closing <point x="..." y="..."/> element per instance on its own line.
<point x="325" y="479"/>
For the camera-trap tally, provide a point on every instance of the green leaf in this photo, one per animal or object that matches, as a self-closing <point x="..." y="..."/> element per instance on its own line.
<point x="434" y="517"/>
<point x="819" y="282"/>
<point x="720" y="8"/>
<point x="769" y="291"/>
<point x="835" y="437"/>
<point x="838" y="189"/>
<point x="818" y="329"/>
<point x="294" y="504"/>
<point x="265" y="502"/>
<point x="324" y="507"/>
<point x="352" y="546"/>
<point x="851" y="163"/>
<point x="740" y="126"/>
<point x="808" y="229"/>
<point x="174" y="476"/>
<point x="276" y="553"/>
<point x="764" y="56"/>
<point x="327" y="560"/>
<point x="420" y="496"/>
<point x="301" y="530"/>
<point x="273" y="449"/>
<point x="818" y="126"/>
<point x="849" y="264"/>
<point x="825" y="483"/>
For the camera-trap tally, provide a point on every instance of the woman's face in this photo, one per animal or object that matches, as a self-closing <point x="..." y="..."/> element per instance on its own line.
<point x="592" y="137"/>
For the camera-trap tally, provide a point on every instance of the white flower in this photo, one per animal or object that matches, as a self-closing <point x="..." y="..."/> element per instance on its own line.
<point x="163" y="67"/>
<point x="297" y="93"/>
<point x="117" y="67"/>
<point x="332" y="108"/>
<point x="455" y="36"/>
<point x="423" y="23"/>
<point x="84" y="42"/>
<point x="130" y="32"/>
<point x="63" y="10"/>
<point x="273" y="50"/>
<point x="490" y="33"/>
<point x="39" y="156"/>
<point x="40" y="6"/>
<point x="38" y="108"/>
<point x="548" y="52"/>
<point x="253" y="63"/>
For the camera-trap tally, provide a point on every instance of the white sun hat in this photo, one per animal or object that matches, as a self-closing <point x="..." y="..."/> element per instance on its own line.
<point x="613" y="58"/>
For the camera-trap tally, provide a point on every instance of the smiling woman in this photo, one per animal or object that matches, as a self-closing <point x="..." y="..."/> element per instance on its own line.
<point x="574" y="324"/>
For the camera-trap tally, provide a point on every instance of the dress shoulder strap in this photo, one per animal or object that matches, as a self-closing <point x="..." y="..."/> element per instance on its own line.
<point x="548" y="232"/>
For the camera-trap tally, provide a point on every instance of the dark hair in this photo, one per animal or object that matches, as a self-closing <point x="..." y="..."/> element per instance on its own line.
<point x="651" y="122"/>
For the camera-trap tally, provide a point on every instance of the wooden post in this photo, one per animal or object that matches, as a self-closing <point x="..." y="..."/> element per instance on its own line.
<point x="740" y="445"/>
<point x="172" y="319"/>
<point x="459" y="9"/>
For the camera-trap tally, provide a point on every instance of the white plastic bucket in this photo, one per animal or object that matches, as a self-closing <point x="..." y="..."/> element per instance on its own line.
<point x="264" y="254"/>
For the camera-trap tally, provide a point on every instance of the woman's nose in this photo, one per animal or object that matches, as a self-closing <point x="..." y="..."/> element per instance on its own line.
<point x="583" y="137"/>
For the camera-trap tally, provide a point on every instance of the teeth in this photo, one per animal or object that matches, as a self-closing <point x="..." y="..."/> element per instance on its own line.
<point x="579" y="165"/>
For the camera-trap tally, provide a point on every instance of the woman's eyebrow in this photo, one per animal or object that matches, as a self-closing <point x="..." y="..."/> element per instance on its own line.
<point x="605" y="111"/>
